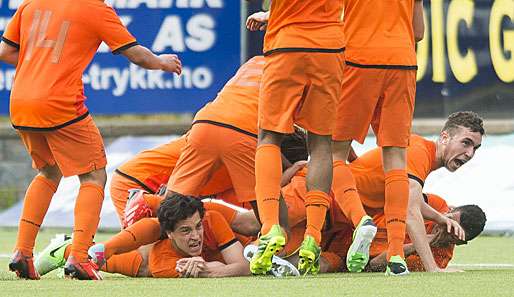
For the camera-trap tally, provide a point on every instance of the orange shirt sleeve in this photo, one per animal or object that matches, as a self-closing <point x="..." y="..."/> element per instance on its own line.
<point x="110" y="30"/>
<point x="418" y="163"/>
<point x="12" y="32"/>
<point x="223" y="234"/>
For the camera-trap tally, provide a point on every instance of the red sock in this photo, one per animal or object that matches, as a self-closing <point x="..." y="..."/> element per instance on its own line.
<point x="36" y="203"/>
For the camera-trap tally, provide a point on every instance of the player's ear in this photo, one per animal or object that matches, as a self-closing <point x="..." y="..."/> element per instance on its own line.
<point x="445" y="137"/>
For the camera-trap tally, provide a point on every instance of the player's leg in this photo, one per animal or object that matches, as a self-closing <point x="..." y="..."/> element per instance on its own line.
<point x="317" y="201"/>
<point x="36" y="202"/>
<point x="317" y="114"/>
<point x="393" y="131"/>
<point x="361" y="90"/>
<point x="197" y="162"/>
<point x="282" y="88"/>
<point x="143" y="232"/>
<point x="78" y="150"/>
<point x="268" y="173"/>
<point x="119" y="189"/>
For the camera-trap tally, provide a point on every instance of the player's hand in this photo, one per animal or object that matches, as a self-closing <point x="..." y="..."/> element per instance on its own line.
<point x="190" y="267"/>
<point x="171" y="63"/>
<point x="291" y="171"/>
<point x="257" y="21"/>
<point x="453" y="227"/>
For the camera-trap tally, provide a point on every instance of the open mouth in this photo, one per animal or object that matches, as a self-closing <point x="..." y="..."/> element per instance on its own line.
<point x="459" y="162"/>
<point x="195" y="245"/>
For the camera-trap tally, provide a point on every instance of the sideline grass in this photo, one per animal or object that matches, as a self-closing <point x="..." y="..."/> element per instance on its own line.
<point x="482" y="282"/>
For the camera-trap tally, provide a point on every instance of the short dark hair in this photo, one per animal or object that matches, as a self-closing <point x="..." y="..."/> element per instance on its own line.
<point x="294" y="146"/>
<point x="467" y="119"/>
<point x="175" y="208"/>
<point x="472" y="220"/>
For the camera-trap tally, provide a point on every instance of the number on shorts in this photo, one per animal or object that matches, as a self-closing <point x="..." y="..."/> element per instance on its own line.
<point x="37" y="35"/>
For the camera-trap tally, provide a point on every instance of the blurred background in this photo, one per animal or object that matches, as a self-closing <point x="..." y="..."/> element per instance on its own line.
<point x="466" y="62"/>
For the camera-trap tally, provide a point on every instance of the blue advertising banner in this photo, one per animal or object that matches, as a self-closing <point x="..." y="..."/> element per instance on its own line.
<point x="205" y="34"/>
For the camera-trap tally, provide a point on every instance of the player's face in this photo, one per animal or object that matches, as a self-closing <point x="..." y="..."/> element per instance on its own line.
<point x="188" y="236"/>
<point x="445" y="238"/>
<point x="460" y="147"/>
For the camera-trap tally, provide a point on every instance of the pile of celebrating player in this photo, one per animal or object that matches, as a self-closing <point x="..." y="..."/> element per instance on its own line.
<point x="295" y="201"/>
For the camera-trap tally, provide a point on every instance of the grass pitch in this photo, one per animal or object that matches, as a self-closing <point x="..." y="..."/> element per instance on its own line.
<point x="488" y="261"/>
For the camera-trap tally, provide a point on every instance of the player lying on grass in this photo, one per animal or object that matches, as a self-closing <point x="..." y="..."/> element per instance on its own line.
<point x="195" y="243"/>
<point x="470" y="217"/>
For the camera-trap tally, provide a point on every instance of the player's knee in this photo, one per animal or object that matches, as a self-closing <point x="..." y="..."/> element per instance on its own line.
<point x="394" y="158"/>
<point x="341" y="150"/>
<point x="98" y="176"/>
<point x="319" y="144"/>
<point x="52" y="173"/>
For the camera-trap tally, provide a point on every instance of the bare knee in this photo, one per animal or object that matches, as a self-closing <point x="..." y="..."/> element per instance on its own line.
<point x="341" y="150"/>
<point x="394" y="158"/>
<point x="52" y="173"/>
<point x="98" y="176"/>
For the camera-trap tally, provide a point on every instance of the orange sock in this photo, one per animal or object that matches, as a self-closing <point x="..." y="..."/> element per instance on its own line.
<point x="316" y="205"/>
<point x="268" y="172"/>
<point x="37" y="199"/>
<point x="87" y="216"/>
<point x="127" y="263"/>
<point x="143" y="232"/>
<point x="333" y="260"/>
<point x="153" y="201"/>
<point x="346" y="194"/>
<point x="395" y="210"/>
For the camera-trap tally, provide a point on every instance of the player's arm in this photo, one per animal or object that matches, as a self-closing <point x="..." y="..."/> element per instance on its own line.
<point x="452" y="226"/>
<point x="379" y="263"/>
<point x="236" y="264"/>
<point x="416" y="227"/>
<point x="9" y="53"/>
<point x="257" y="21"/>
<point x="418" y="23"/>
<point x="143" y="57"/>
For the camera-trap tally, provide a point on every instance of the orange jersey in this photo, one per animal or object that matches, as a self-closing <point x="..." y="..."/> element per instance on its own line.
<point x="305" y="25"/>
<point x="217" y="236"/>
<point x="152" y="168"/>
<point x="369" y="172"/>
<point x="379" y="33"/>
<point x="56" y="41"/>
<point x="442" y="256"/>
<point x="237" y="103"/>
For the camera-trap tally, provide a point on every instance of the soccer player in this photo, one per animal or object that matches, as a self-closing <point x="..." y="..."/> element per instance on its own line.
<point x="470" y="217"/>
<point x="51" y="43"/>
<point x="303" y="48"/>
<point x="197" y="243"/>
<point x="460" y="137"/>
<point x="379" y="88"/>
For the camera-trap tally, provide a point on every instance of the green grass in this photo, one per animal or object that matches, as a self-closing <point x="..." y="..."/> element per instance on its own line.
<point x="473" y="282"/>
